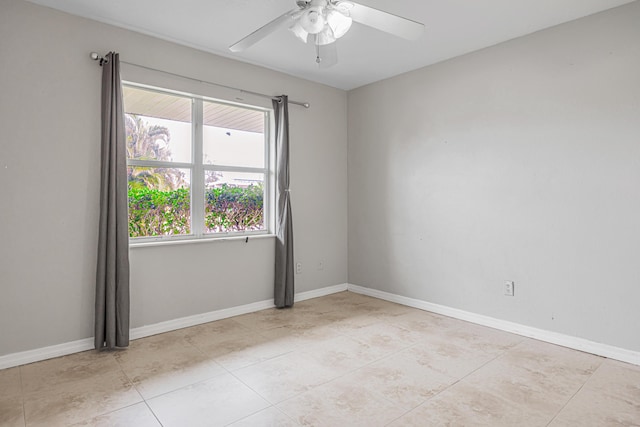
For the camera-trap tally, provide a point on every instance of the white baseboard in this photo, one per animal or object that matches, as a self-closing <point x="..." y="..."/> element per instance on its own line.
<point x="605" y="350"/>
<point x="198" y="319"/>
<point x="569" y="341"/>
<point x="36" y="355"/>
<point x="321" y="292"/>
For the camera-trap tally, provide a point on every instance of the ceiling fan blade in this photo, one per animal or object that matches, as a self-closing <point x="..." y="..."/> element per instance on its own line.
<point x="387" y="22"/>
<point x="263" y="32"/>
<point x="328" y="54"/>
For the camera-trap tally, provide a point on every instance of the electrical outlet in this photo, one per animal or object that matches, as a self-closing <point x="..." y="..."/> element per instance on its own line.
<point x="508" y="288"/>
<point x="298" y="267"/>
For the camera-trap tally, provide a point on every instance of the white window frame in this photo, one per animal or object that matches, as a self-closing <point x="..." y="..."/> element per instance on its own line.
<point x="197" y="170"/>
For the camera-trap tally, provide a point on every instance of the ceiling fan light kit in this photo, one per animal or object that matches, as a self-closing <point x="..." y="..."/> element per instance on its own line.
<point x="312" y="19"/>
<point x="325" y="21"/>
<point x="339" y="22"/>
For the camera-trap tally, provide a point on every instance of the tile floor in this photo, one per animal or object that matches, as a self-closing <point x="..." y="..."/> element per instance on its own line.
<point x="339" y="360"/>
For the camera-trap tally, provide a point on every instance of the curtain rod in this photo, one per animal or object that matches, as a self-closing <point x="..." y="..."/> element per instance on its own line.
<point x="96" y="57"/>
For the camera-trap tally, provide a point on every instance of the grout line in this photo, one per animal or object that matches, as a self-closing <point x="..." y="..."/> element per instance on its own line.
<point x="286" y="415"/>
<point x="112" y="354"/>
<point x="115" y="410"/>
<point x="22" y="396"/>
<point x="339" y="334"/>
<point x="251" y="414"/>
<point x="153" y="413"/>
<point x="457" y="380"/>
<point x="576" y="393"/>
<point x="351" y="371"/>
<point x="497" y="356"/>
<point x="127" y="375"/>
<point x="425" y="402"/>
<point x="252" y="389"/>
<point x="266" y="359"/>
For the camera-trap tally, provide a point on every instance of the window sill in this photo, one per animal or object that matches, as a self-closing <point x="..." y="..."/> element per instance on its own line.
<point x="196" y="240"/>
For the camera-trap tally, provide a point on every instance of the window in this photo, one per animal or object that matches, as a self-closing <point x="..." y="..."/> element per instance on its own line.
<point x="196" y="167"/>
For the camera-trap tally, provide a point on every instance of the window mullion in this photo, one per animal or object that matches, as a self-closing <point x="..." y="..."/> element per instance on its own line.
<point x="197" y="182"/>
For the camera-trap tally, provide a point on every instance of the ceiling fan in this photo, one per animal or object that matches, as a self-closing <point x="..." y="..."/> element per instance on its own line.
<point x="322" y="22"/>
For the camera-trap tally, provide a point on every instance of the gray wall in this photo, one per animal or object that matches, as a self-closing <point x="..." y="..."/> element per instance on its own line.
<point x="518" y="162"/>
<point x="49" y="161"/>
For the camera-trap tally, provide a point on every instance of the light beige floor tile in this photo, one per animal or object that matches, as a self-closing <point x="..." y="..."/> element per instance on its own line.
<point x="285" y="376"/>
<point x="367" y="314"/>
<point x="341" y="300"/>
<point x="278" y="318"/>
<point x="617" y="379"/>
<point x="401" y="379"/>
<point x="11" y="412"/>
<point x="138" y="415"/>
<point x="552" y="368"/>
<point x="164" y="363"/>
<point x="385" y="309"/>
<point x="593" y="408"/>
<point x="79" y="400"/>
<point x="342" y="354"/>
<point x="10" y="383"/>
<point x="67" y="369"/>
<point x="294" y="338"/>
<point x="206" y="338"/>
<point x="611" y="397"/>
<point x="215" y="402"/>
<point x="313" y="307"/>
<point x="619" y="364"/>
<point x="363" y="312"/>
<point x="270" y="417"/>
<point x="341" y="360"/>
<point x="210" y="335"/>
<point x="427" y="324"/>
<point x="545" y="392"/>
<point x="341" y="403"/>
<point x="241" y="350"/>
<point x="450" y="359"/>
<point x="551" y="359"/>
<point x="371" y="306"/>
<point x="223" y="327"/>
<point x="384" y="337"/>
<point x="483" y="338"/>
<point x="352" y="321"/>
<point x="466" y="405"/>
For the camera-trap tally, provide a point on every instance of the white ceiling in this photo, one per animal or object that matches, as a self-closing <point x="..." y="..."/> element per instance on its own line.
<point x="453" y="28"/>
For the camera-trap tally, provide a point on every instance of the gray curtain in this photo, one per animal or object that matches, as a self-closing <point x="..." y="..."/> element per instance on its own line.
<point x="112" y="278"/>
<point x="284" y="275"/>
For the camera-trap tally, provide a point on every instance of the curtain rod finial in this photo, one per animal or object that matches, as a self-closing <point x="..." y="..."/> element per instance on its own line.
<point x="96" y="57"/>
